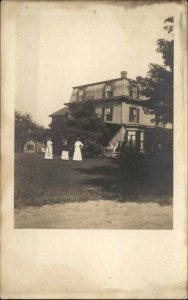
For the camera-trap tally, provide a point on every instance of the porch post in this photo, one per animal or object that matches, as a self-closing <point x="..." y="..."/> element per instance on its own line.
<point x="123" y="133"/>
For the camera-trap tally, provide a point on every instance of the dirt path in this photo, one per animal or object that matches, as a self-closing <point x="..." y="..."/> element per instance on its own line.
<point x="101" y="214"/>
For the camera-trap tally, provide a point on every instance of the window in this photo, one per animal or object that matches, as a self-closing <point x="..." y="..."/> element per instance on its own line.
<point x="133" y="91"/>
<point x="134" y="115"/>
<point x="135" y="140"/>
<point x="133" y="94"/>
<point x="108" y="114"/>
<point x="108" y="91"/>
<point x="131" y="139"/>
<point x="159" y="124"/>
<point x="109" y="94"/>
<point x="81" y="95"/>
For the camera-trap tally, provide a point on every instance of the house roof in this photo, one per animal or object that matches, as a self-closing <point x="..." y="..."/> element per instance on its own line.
<point x="117" y="98"/>
<point x="106" y="81"/>
<point x="60" y="112"/>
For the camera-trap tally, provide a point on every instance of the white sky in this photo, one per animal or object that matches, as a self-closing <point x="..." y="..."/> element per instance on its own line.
<point x="60" y="45"/>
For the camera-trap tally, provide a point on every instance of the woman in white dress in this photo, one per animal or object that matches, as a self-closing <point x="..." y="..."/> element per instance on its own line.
<point x="65" y="151"/>
<point x="77" y="150"/>
<point x="49" y="150"/>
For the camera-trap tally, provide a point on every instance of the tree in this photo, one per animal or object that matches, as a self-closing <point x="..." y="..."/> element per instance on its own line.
<point x="88" y="126"/>
<point x="82" y="121"/>
<point x="23" y="126"/>
<point x="157" y="87"/>
<point x="25" y="129"/>
<point x="59" y="131"/>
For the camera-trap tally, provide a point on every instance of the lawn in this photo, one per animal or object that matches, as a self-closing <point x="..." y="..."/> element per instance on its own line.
<point x="139" y="179"/>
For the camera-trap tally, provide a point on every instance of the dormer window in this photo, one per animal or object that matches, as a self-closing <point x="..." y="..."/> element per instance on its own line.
<point x="133" y="90"/>
<point x="81" y="94"/>
<point x="108" y="91"/>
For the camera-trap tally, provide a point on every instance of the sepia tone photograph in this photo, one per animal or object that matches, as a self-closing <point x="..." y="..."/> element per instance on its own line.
<point x="93" y="117"/>
<point x="94" y="149"/>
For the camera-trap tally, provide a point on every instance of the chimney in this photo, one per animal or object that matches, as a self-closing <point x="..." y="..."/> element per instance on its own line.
<point x="123" y="74"/>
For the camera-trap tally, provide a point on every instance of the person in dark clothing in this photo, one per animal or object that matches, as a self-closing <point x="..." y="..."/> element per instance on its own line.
<point x="65" y="151"/>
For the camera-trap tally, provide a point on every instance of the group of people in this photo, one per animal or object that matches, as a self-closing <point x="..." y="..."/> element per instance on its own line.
<point x="65" y="150"/>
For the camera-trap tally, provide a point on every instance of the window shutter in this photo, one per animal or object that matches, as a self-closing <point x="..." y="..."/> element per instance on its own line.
<point x="104" y="90"/>
<point x="103" y="113"/>
<point x="130" y="113"/>
<point x="137" y="115"/>
<point x="137" y="91"/>
<point x="111" y="112"/>
<point x="83" y="96"/>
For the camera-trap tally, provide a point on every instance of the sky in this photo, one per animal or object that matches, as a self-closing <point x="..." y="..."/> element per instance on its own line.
<point x="64" y="44"/>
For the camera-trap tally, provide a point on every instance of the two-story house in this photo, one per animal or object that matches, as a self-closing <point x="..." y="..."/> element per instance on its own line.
<point x="119" y="101"/>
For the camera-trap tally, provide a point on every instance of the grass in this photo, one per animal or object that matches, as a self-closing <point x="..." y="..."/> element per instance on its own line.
<point x="140" y="179"/>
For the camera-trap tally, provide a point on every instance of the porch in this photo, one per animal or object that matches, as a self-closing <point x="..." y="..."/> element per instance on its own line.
<point x="139" y="139"/>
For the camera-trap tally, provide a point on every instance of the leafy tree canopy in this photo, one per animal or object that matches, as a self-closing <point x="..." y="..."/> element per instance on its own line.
<point x="158" y="85"/>
<point x="26" y="129"/>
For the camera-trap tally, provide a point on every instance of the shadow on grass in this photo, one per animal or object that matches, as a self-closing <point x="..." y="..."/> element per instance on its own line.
<point x="146" y="178"/>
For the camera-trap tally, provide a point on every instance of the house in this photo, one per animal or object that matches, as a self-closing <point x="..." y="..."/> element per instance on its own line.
<point x="120" y="103"/>
<point x="60" y="113"/>
<point x="33" y="147"/>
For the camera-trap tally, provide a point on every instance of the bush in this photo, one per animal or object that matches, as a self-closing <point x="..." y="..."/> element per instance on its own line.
<point x="91" y="149"/>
